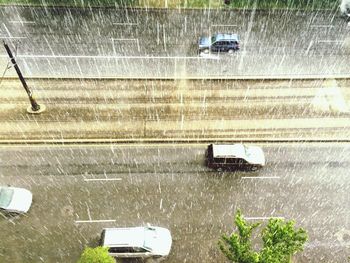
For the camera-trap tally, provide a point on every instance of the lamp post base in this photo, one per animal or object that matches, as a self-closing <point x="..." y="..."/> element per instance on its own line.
<point x="31" y="111"/>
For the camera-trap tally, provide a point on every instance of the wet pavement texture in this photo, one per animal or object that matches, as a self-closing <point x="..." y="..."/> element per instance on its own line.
<point x="173" y="109"/>
<point x="168" y="185"/>
<point x="137" y="42"/>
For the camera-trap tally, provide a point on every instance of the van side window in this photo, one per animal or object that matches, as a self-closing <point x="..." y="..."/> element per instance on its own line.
<point x="232" y="160"/>
<point x="219" y="160"/>
<point x="120" y="250"/>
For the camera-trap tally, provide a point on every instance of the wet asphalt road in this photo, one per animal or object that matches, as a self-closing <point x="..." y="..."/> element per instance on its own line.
<point x="163" y="43"/>
<point x="168" y="185"/>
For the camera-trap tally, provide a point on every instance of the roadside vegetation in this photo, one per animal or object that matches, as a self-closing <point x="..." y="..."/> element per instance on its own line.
<point x="96" y="255"/>
<point x="280" y="241"/>
<point x="266" y="4"/>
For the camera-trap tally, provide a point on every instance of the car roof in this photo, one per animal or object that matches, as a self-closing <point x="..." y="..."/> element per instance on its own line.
<point x="222" y="36"/>
<point x="128" y="236"/>
<point x="229" y="150"/>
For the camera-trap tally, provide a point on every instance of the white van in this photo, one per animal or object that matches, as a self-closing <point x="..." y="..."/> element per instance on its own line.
<point x="137" y="242"/>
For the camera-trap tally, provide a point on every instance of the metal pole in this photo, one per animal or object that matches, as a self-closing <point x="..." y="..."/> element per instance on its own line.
<point x="35" y="105"/>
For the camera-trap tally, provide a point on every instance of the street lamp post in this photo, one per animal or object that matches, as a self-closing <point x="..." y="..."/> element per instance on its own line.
<point x="35" y="108"/>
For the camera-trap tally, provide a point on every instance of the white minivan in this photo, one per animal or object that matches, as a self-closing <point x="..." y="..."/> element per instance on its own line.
<point x="137" y="242"/>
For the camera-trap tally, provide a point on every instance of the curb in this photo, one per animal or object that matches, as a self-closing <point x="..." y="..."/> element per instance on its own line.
<point x="169" y="141"/>
<point x="248" y="77"/>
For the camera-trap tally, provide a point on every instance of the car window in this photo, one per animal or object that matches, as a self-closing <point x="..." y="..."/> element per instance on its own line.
<point x="219" y="160"/>
<point x="5" y="197"/>
<point x="139" y="249"/>
<point x="121" y="250"/>
<point x="232" y="160"/>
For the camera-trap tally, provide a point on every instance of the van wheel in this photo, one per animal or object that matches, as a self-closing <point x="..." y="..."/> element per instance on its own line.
<point x="254" y="168"/>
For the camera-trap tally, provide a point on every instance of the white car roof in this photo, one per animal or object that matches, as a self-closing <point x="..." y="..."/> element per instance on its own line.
<point x="229" y="150"/>
<point x="129" y="236"/>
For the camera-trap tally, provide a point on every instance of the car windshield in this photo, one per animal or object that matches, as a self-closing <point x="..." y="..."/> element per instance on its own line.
<point x="5" y="197"/>
<point x="246" y="151"/>
<point x="213" y="39"/>
<point x="150" y="238"/>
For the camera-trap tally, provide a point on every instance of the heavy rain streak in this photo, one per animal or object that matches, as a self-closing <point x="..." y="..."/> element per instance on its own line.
<point x="170" y="116"/>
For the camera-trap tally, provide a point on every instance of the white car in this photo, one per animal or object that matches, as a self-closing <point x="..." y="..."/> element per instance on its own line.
<point x="233" y="156"/>
<point x="15" y="200"/>
<point x="137" y="242"/>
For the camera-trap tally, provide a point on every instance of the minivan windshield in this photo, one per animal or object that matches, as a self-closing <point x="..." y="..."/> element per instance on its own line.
<point x="5" y="197"/>
<point x="150" y="238"/>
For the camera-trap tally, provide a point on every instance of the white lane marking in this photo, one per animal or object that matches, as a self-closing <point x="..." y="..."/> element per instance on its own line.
<point x="330" y="41"/>
<point x="125" y="24"/>
<point x="223" y="25"/>
<point x="321" y="26"/>
<point x="22" y="22"/>
<point x="263" y="217"/>
<point x="110" y="57"/>
<point x="125" y="39"/>
<point x="12" y="38"/>
<point x="95" y="221"/>
<point x="102" y="179"/>
<point x="261" y="177"/>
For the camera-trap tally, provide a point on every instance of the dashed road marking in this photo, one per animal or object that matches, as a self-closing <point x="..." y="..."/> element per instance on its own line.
<point x="260" y="177"/>
<point x="125" y="24"/>
<point x="95" y="221"/>
<point x="22" y="22"/>
<point x="263" y="217"/>
<point x="102" y="179"/>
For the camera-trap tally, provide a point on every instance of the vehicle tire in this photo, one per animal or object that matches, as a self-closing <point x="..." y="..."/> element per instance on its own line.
<point x="254" y="168"/>
<point x="231" y="51"/>
<point x="206" y="51"/>
<point x="219" y="170"/>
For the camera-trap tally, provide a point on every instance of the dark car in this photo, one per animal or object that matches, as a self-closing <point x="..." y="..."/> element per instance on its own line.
<point x="219" y="43"/>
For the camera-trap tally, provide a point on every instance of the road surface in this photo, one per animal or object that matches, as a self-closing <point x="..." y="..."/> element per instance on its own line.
<point x="168" y="185"/>
<point x="113" y="42"/>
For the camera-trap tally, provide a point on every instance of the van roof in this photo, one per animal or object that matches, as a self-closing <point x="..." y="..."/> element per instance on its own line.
<point x="221" y="36"/>
<point x="229" y="150"/>
<point x="129" y="236"/>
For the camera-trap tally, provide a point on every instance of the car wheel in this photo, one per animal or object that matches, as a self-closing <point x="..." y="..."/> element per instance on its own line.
<point x="206" y="51"/>
<point x="231" y="51"/>
<point x="219" y="170"/>
<point x="254" y="168"/>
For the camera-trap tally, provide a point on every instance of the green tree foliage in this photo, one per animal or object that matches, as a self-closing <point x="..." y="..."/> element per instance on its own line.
<point x="280" y="242"/>
<point x="96" y="255"/>
<point x="237" y="247"/>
